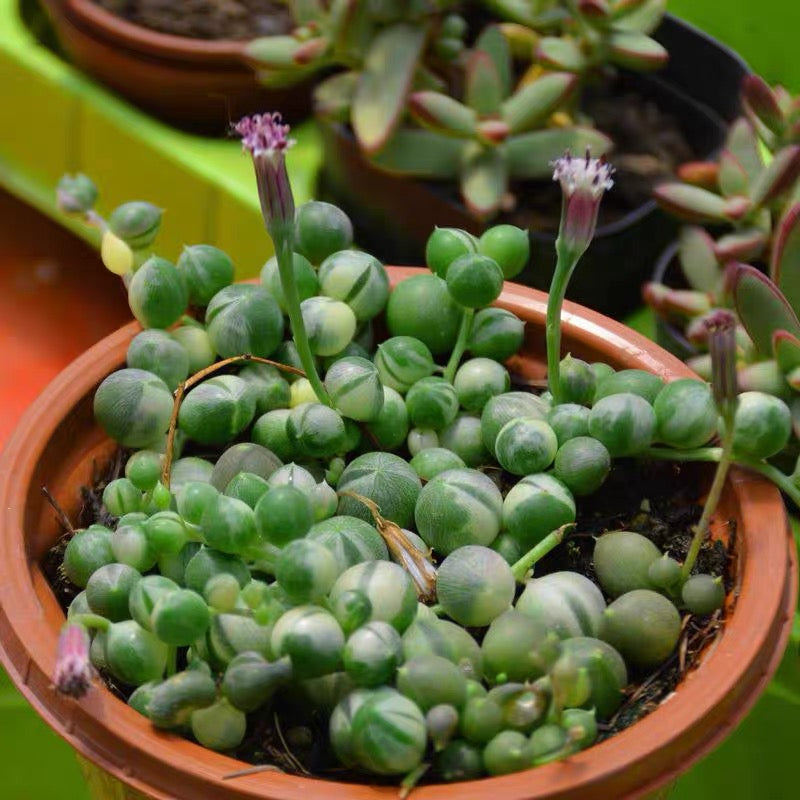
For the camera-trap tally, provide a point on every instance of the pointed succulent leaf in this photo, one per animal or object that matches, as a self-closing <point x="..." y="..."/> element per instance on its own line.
<point x="311" y="50"/>
<point x="595" y="10"/>
<point x="484" y="86"/>
<point x="493" y="131"/>
<point x="704" y="174"/>
<point x="484" y="181"/>
<point x="743" y="143"/>
<point x="641" y="16"/>
<point x="762" y="376"/>
<point x="690" y="202"/>
<point x="786" y="348"/>
<point x="761" y="307"/>
<point x="333" y="97"/>
<point x="778" y="176"/>
<point x="732" y="176"/>
<point x="530" y="155"/>
<point x="636" y="51"/>
<point x="738" y="207"/>
<point x="273" y="52"/>
<point x="534" y="102"/>
<point x="793" y="379"/>
<point x="426" y="80"/>
<point x="521" y="40"/>
<point x="348" y="28"/>
<point x="785" y="261"/>
<point x="442" y="113"/>
<point x="389" y="68"/>
<point x="564" y="54"/>
<point x="422" y="154"/>
<point x="622" y="8"/>
<point x="742" y="245"/>
<point x="495" y="45"/>
<point x="698" y="260"/>
<point x="759" y="100"/>
<point x="537" y="15"/>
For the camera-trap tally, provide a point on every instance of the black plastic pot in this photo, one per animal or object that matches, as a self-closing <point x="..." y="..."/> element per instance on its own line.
<point x="393" y="216"/>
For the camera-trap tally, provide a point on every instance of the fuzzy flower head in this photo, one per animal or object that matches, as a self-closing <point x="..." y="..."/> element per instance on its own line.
<point x="721" y="328"/>
<point x="73" y="672"/>
<point x="583" y="183"/>
<point x="266" y="138"/>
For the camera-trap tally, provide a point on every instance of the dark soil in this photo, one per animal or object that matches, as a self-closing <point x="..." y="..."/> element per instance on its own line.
<point x="205" y="19"/>
<point x="657" y="499"/>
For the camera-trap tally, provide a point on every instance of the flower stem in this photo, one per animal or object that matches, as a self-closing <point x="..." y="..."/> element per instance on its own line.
<point x="521" y="568"/>
<point x="464" y="331"/>
<point x="565" y="264"/>
<point x="91" y="621"/>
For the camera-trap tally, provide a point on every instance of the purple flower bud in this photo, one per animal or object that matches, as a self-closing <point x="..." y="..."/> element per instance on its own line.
<point x="583" y="183"/>
<point x="265" y="137"/>
<point x="721" y="327"/>
<point x="73" y="672"/>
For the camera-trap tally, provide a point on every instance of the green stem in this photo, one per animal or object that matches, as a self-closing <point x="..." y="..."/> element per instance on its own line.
<point x="285" y="258"/>
<point x="437" y="609"/>
<point x="521" y="568"/>
<point x="172" y="660"/>
<point x="555" y="299"/>
<point x="91" y="621"/>
<point x="460" y="346"/>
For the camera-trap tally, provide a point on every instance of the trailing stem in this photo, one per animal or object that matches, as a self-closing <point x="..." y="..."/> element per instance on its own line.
<point x="522" y="567"/>
<point x="464" y="332"/>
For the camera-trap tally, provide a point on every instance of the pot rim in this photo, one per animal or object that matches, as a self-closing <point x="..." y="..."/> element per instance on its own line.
<point x="705" y="707"/>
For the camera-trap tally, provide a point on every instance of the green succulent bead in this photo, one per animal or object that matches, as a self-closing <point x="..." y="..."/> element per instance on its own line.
<point x="76" y="194"/>
<point x="390" y="427"/>
<point x="578" y="719"/>
<point x="465" y="438"/>
<point x="402" y="361"/>
<point x="286" y="353"/>
<point x="630" y="381"/>
<point x="174" y="566"/>
<point x="355" y="278"/>
<point x="456" y="508"/>
<point x="130" y="546"/>
<point x="441" y="722"/>
<point x="430" y="462"/>
<point x="206" y="563"/>
<point x="496" y="333"/>
<point x="232" y="634"/>
<point x="643" y="626"/>
<point x="601" y="370"/>
<point x="509" y="751"/>
<point x="577" y="381"/>
<point x="446" y="639"/>
<point x="305" y="279"/>
<point x="686" y="415"/>
<point x="507" y="406"/>
<point x="762" y="425"/>
<point x="269" y="431"/>
<point x="535" y="506"/>
<point x="524" y="446"/>
<point x="250" y="680"/>
<point x="474" y="281"/>
<point x="509" y="246"/>
<point x="136" y="223"/>
<point x="624" y="423"/>
<point x="247" y="487"/>
<point x="219" y="727"/>
<point x="193" y="498"/>
<point x="622" y="561"/>
<point x="569" y="421"/>
<point x="387" y="480"/>
<point x="222" y="592"/>
<point x="244" y="319"/>
<point x="518" y="648"/>
<point x="352" y="349"/>
<point x="306" y="570"/>
<point x="172" y="702"/>
<point x="459" y="761"/>
<point x="355" y="388"/>
<point x="330" y="324"/>
<point x="269" y="388"/>
<point x="292" y="474"/>
<point x="135" y="656"/>
<point x="508" y="547"/>
<point x="474" y="585"/>
<point x="567" y="603"/>
<point x="432" y="680"/>
<point x="157" y="293"/>
<point x="86" y="552"/>
<point x="311" y="638"/>
<point x="350" y="540"/>
<point x="157" y="352"/>
<point x="108" y="590"/>
<point x="445" y="245"/>
<point x="180" y="617"/>
<point x="133" y="407"/>
<point x="372" y="654"/>
<point x="388" y="588"/>
<point x="143" y="469"/>
<point x="283" y="514"/>
<point x="481" y="720"/>
<point x="664" y="572"/>
<point x="547" y="743"/>
<point x="315" y="430"/>
<point x="196" y="343"/>
<point x="478" y="380"/>
<point x="352" y="610"/>
<point x="420" y="439"/>
<point x="190" y="470"/>
<point x="432" y="403"/>
<point x="321" y="229"/>
<point x="217" y="410"/>
<point x="703" y="594"/>
<point x="229" y="525"/>
<point x="582" y="464"/>
<point x="141" y="696"/>
<point x="243" y="457"/>
<point x="421" y="307"/>
<point x="523" y="705"/>
<point x="121" y="497"/>
<point x="206" y="270"/>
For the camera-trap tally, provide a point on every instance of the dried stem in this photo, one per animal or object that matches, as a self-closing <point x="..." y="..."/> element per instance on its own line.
<point x="60" y="513"/>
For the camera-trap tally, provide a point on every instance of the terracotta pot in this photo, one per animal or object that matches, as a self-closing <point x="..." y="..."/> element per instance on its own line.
<point x="193" y="83"/>
<point x="56" y="445"/>
<point x="699" y="88"/>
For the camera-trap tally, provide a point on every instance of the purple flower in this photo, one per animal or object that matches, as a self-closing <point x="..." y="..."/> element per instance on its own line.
<point x="583" y="183"/>
<point x="721" y="328"/>
<point x="73" y="672"/>
<point x="265" y="137"/>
